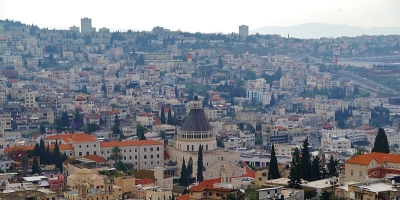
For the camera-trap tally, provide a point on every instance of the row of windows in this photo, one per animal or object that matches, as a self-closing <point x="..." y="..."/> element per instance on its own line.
<point x="130" y="150"/>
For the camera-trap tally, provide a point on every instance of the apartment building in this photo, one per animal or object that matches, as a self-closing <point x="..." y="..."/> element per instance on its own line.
<point x="143" y="154"/>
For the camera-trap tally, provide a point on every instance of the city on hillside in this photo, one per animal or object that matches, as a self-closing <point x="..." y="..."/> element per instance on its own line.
<point x="89" y="113"/>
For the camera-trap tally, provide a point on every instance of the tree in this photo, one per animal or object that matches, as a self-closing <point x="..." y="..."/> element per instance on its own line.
<point x="35" y="166"/>
<point x="78" y="120"/>
<point x="140" y="132"/>
<point x="381" y="142"/>
<point x="332" y="164"/>
<point x="57" y="156"/>
<point x="24" y="164"/>
<point x="183" y="180"/>
<point x="104" y="88"/>
<point x="121" y="166"/>
<point x="189" y="169"/>
<point x="305" y="161"/>
<point x="316" y="168"/>
<point x="295" y="170"/>
<point x="162" y="116"/>
<point x="42" y="129"/>
<point x="64" y="157"/>
<point x="200" y="165"/>
<point x="176" y="92"/>
<point x="42" y="151"/>
<point x="116" y="128"/>
<point x="36" y="150"/>
<point x="220" y="144"/>
<point x="220" y="63"/>
<point x="170" y="119"/>
<point x="90" y="128"/>
<point x="117" y="88"/>
<point x="116" y="155"/>
<point x="49" y="156"/>
<point x="357" y="152"/>
<point x="231" y="196"/>
<point x="325" y="195"/>
<point x="273" y="172"/>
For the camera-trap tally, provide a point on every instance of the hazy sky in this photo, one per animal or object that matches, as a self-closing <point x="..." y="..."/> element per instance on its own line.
<point x="204" y="15"/>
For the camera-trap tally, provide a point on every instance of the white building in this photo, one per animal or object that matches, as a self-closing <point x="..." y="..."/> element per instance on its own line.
<point x="332" y="142"/>
<point x="244" y="30"/>
<point x="86" y="25"/>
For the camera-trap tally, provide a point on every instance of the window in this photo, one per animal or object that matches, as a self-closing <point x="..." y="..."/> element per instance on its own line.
<point x="87" y="153"/>
<point x="151" y="156"/>
<point x="145" y="157"/>
<point x="80" y="153"/>
<point x="259" y="178"/>
<point x="158" y="148"/>
<point x="151" y="149"/>
<point x="351" y="172"/>
<point x="135" y="157"/>
<point x="158" y="155"/>
<point x="80" y="146"/>
<point x="210" y="194"/>
<point x="94" y="145"/>
<point x="94" y="152"/>
<point x="360" y="173"/>
<point x="87" y="146"/>
<point x="144" y="150"/>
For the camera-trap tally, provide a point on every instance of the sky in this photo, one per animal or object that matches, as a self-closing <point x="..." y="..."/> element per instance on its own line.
<point x="208" y="16"/>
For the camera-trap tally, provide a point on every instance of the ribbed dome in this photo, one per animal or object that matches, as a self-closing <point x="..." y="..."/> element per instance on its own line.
<point x="196" y="120"/>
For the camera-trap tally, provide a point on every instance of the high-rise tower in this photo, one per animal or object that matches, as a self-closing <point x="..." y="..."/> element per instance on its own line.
<point x="244" y="30"/>
<point x="86" y="25"/>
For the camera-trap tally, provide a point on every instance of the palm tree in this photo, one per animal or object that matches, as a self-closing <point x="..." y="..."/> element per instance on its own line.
<point x="116" y="155"/>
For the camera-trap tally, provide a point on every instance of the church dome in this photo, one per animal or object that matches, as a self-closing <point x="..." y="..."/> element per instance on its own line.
<point x="196" y="120"/>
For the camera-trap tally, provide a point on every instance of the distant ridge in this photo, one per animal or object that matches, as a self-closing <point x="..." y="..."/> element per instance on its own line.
<point x="318" y="30"/>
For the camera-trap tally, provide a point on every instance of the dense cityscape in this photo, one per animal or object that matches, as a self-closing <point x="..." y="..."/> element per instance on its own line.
<point x="95" y="114"/>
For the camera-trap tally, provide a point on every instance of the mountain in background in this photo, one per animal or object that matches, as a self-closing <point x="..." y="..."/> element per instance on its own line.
<point x="317" y="30"/>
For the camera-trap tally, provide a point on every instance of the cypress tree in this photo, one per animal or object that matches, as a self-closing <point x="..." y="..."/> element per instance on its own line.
<point x="170" y="118"/>
<point x="42" y="155"/>
<point x="57" y="156"/>
<point x="36" y="150"/>
<point x="64" y="157"/>
<point x="162" y="116"/>
<point x="49" y="156"/>
<point x="273" y="172"/>
<point x="189" y="168"/>
<point x="176" y="92"/>
<point x="316" y="168"/>
<point x="295" y="170"/>
<point x="200" y="165"/>
<point x="381" y="144"/>
<point x="35" y="166"/>
<point x="183" y="180"/>
<point x="306" y="161"/>
<point x="332" y="164"/>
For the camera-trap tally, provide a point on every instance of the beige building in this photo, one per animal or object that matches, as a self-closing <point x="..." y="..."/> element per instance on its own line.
<point x="371" y="165"/>
<point x="143" y="154"/>
<point x="86" y="185"/>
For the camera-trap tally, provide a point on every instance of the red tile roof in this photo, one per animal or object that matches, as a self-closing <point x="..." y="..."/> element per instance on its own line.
<point x="365" y="159"/>
<point x="129" y="143"/>
<point x="81" y="137"/>
<point x="145" y="181"/>
<point x="27" y="148"/>
<point x="96" y="158"/>
<point x="184" y="197"/>
<point x="205" y="184"/>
